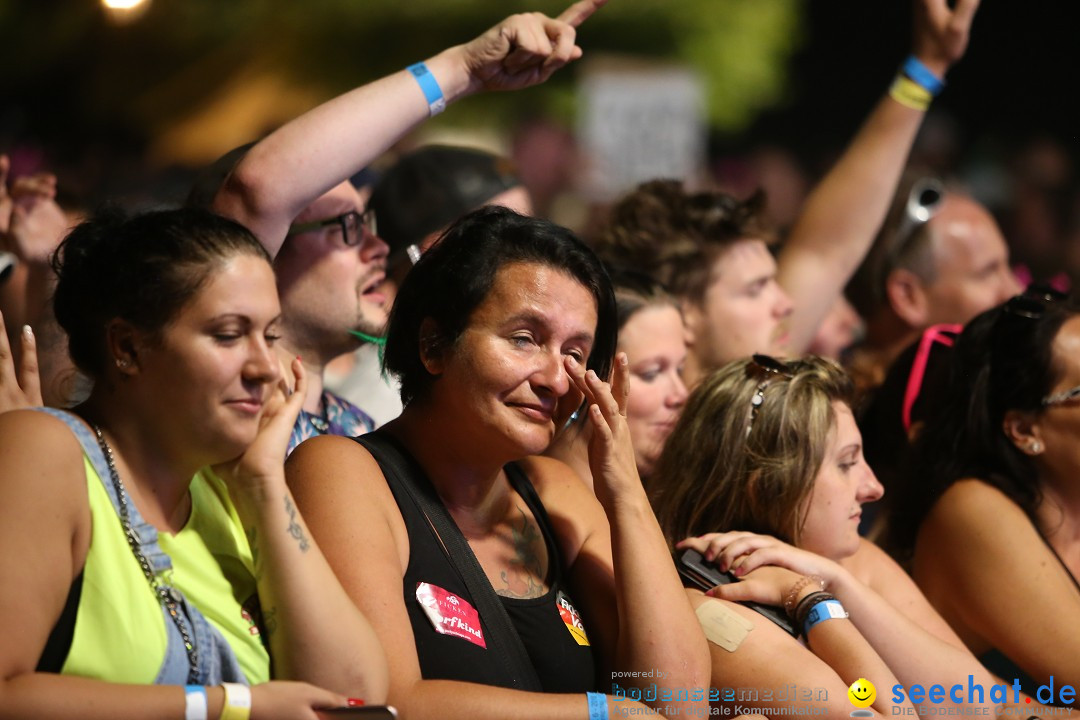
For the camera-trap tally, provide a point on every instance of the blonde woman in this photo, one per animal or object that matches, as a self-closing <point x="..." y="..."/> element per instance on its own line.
<point x="769" y="452"/>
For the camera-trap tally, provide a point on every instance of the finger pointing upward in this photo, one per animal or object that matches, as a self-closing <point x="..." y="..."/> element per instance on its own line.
<point x="581" y="11"/>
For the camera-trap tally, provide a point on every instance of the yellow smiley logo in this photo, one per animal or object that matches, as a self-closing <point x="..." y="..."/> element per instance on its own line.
<point x="862" y="693"/>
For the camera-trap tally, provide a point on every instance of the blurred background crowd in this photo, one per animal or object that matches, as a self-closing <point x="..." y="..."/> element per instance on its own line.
<point x="125" y="103"/>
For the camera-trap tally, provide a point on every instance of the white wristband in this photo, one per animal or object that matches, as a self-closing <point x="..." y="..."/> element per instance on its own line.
<point x="195" y="702"/>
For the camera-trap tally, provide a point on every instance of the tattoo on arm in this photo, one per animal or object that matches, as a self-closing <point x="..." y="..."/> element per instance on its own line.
<point x="269" y="621"/>
<point x="294" y="526"/>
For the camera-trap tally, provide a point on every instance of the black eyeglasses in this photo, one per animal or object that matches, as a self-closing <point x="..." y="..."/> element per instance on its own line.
<point x="773" y="370"/>
<point x="354" y="226"/>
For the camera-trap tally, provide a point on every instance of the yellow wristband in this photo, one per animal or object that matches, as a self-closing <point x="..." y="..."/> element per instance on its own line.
<point x="910" y="94"/>
<point x="237" y="702"/>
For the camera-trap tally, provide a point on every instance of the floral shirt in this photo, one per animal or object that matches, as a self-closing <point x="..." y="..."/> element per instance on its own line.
<point x="340" y="417"/>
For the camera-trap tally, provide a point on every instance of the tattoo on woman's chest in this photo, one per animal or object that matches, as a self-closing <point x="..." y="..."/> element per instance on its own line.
<point x="525" y="577"/>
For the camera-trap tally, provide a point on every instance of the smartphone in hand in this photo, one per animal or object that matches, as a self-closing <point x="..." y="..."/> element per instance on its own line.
<point x="702" y="574"/>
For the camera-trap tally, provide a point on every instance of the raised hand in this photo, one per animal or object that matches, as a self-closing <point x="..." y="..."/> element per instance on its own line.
<point x="5" y="196"/>
<point x="941" y="32"/>
<point x="19" y="388"/>
<point x="265" y="457"/>
<point x="36" y="228"/>
<point x="611" y="455"/>
<point x="525" y="49"/>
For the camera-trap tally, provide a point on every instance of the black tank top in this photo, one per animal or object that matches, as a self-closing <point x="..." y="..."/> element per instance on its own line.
<point x="561" y="664"/>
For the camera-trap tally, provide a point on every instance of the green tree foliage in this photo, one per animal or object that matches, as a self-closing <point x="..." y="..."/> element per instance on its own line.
<point x="67" y="59"/>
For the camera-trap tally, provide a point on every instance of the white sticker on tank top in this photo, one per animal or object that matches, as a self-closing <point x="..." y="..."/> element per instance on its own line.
<point x="450" y="614"/>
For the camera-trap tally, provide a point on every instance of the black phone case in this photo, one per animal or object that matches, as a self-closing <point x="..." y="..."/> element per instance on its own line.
<point x="705" y="576"/>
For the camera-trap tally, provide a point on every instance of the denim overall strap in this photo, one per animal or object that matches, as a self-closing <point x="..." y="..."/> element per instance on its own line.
<point x="217" y="662"/>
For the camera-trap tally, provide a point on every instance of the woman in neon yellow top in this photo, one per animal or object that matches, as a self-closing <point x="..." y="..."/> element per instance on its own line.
<point x="127" y="567"/>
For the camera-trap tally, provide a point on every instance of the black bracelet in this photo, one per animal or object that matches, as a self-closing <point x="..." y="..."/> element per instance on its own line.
<point x="806" y="605"/>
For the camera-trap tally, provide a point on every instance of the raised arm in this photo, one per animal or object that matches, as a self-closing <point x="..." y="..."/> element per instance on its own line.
<point x="316" y="634"/>
<point x="627" y="583"/>
<point x="31" y="227"/>
<point x="843" y="213"/>
<point x="285" y="172"/>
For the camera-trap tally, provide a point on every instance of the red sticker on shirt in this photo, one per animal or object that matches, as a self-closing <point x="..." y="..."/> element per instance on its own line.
<point x="450" y="614"/>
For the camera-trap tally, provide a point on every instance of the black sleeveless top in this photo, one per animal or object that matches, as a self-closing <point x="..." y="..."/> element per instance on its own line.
<point x="561" y="664"/>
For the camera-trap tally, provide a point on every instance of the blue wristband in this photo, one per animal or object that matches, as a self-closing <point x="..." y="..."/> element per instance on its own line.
<point x="195" y="703"/>
<point x="922" y="75"/>
<point x="430" y="86"/>
<point x="824" y="610"/>
<point x="597" y="706"/>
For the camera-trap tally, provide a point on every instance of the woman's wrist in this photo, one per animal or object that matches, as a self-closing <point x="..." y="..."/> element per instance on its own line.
<point x="257" y="501"/>
<point x="838" y="580"/>
<point x="215" y="701"/>
<point x="806" y="585"/>
<point x="629" y="504"/>
<point x="934" y="64"/>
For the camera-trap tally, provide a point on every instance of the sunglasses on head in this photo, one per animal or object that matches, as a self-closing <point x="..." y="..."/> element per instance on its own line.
<point x="1033" y="302"/>
<point x="923" y="203"/>
<point x="769" y="369"/>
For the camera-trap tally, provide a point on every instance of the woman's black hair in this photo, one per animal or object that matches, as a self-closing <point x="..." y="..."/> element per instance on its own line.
<point x="140" y="268"/>
<point x="455" y="276"/>
<point x="1002" y="361"/>
<point x="887" y="442"/>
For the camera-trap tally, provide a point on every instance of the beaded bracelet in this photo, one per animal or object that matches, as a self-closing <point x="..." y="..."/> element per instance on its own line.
<point x="789" y="599"/>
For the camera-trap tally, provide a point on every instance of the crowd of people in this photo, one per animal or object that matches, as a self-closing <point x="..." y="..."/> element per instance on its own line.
<point x="423" y="449"/>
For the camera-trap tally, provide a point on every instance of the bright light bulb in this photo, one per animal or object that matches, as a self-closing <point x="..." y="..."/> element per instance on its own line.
<point x="122" y="4"/>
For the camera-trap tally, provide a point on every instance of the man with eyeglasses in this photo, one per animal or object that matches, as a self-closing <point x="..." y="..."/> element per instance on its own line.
<point x="940" y="258"/>
<point x="291" y="189"/>
<point x="416" y="199"/>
